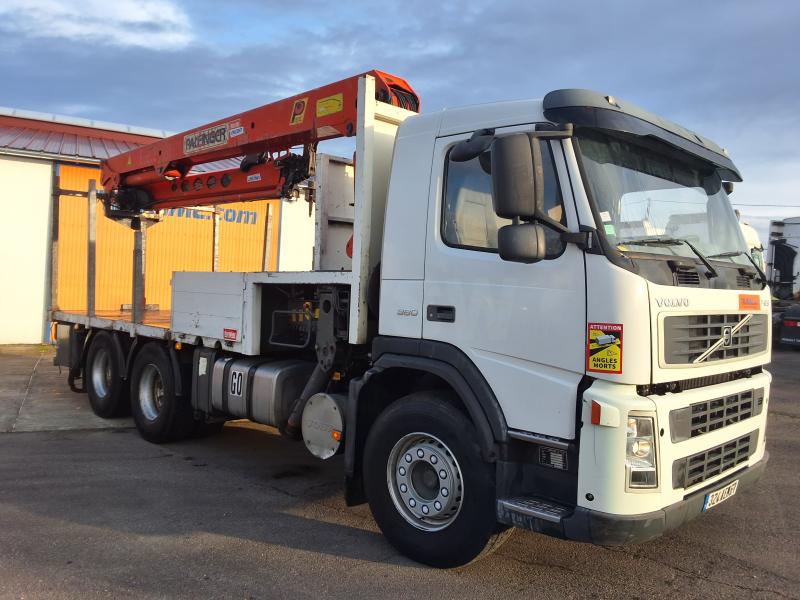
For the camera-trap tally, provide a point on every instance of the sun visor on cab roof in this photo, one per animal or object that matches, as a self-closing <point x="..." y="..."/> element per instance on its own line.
<point x="586" y="108"/>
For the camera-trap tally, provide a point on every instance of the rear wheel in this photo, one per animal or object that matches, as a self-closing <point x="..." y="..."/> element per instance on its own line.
<point x="160" y="415"/>
<point x="429" y="490"/>
<point x="108" y="392"/>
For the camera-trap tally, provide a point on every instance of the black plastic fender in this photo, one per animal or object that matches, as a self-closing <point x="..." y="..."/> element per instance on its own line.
<point x="451" y="365"/>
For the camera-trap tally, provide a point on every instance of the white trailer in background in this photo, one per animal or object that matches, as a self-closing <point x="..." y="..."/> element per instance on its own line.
<point x="754" y="244"/>
<point x="509" y="341"/>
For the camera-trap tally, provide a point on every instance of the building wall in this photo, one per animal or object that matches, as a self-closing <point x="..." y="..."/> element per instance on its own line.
<point x="182" y="241"/>
<point x="246" y="236"/>
<point x="248" y="239"/>
<point x="114" y="247"/>
<point x="24" y="232"/>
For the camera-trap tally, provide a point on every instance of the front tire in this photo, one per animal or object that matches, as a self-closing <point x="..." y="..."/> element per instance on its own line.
<point x="160" y="415"/>
<point x="428" y="487"/>
<point x="108" y="392"/>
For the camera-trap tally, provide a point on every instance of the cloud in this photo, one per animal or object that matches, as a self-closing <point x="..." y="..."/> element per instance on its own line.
<point x="726" y="70"/>
<point x="153" y="24"/>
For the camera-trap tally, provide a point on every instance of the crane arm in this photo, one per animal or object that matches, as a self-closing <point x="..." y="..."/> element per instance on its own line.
<point x="158" y="175"/>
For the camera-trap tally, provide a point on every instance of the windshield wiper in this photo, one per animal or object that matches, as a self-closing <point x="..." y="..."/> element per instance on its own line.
<point x="712" y="272"/>
<point x="733" y="253"/>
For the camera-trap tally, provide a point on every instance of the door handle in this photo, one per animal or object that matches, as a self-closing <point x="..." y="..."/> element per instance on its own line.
<point x="443" y="314"/>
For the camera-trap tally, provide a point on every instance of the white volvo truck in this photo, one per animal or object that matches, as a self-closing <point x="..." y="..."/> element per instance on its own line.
<point x="547" y="319"/>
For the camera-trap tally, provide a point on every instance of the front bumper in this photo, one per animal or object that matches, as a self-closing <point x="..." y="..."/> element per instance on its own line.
<point x="586" y="525"/>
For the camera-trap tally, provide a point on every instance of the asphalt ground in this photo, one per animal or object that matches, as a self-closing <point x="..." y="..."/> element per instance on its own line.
<point x="90" y="510"/>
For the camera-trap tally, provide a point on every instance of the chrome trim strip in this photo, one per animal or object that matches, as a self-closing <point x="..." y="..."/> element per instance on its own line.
<point x="536" y="438"/>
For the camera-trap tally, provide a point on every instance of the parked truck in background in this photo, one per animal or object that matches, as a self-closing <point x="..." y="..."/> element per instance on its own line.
<point x="536" y="314"/>
<point x="783" y="273"/>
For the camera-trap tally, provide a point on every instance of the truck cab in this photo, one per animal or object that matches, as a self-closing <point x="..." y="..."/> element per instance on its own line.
<point x="624" y="357"/>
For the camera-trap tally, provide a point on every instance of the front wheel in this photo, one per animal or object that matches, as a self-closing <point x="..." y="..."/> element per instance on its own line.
<point x="428" y="488"/>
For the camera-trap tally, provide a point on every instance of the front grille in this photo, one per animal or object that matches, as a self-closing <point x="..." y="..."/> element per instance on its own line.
<point x="704" y="417"/>
<point x="687" y="337"/>
<point x="695" y="469"/>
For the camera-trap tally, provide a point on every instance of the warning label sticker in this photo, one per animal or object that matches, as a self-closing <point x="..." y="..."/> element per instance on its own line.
<point x="330" y="105"/>
<point x="604" y="348"/>
<point x="749" y="302"/>
<point x="298" y="111"/>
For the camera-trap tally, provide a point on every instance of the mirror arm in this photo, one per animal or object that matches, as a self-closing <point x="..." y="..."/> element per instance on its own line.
<point x="585" y="239"/>
<point x="551" y="223"/>
<point x="477" y="144"/>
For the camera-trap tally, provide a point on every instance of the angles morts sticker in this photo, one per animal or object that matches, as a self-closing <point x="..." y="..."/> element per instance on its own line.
<point x="604" y="348"/>
<point x="206" y="138"/>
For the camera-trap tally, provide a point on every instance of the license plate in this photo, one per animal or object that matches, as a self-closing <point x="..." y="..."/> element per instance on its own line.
<point x="720" y="495"/>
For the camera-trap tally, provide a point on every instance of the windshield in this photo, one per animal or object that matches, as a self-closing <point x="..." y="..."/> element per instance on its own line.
<point x="645" y="193"/>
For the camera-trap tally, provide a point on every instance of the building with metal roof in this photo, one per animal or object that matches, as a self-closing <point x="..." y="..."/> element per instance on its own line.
<point x="36" y="149"/>
<point x="46" y="163"/>
<point x="43" y="135"/>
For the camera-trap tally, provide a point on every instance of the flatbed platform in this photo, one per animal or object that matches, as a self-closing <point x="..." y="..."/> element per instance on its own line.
<point x="206" y="305"/>
<point x="156" y="323"/>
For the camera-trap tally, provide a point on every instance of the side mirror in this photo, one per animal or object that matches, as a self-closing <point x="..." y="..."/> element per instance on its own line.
<point x="728" y="187"/>
<point x="524" y="243"/>
<point x="517" y="177"/>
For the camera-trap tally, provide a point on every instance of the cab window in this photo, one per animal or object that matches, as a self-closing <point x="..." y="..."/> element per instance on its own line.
<point x="469" y="220"/>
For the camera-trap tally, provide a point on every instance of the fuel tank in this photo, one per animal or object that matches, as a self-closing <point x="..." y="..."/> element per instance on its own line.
<point x="258" y="389"/>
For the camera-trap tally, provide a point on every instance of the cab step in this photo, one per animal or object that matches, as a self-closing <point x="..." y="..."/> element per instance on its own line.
<point x="535" y="514"/>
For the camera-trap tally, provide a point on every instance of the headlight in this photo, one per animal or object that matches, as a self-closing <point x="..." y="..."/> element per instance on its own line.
<point x="640" y="458"/>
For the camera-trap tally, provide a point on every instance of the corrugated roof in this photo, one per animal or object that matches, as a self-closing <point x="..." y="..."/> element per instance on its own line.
<point x="49" y="136"/>
<point x="80" y="122"/>
<point x="52" y="136"/>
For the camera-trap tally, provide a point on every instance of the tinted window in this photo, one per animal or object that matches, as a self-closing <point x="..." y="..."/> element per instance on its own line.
<point x="469" y="220"/>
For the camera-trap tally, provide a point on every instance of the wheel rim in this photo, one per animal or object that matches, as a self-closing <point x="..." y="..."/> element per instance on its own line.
<point x="101" y="373"/>
<point x="151" y="392"/>
<point x="425" y="481"/>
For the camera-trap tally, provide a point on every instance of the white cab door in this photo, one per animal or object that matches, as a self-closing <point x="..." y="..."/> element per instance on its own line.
<point x="523" y="325"/>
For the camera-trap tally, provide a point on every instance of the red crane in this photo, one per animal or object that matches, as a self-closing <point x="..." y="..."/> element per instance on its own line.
<point x="157" y="175"/>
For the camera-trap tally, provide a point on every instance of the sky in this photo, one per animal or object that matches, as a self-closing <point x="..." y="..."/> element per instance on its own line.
<point x="726" y="69"/>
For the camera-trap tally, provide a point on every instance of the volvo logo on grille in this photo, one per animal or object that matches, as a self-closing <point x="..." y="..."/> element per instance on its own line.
<point x="727" y="336"/>
<point x="726" y="341"/>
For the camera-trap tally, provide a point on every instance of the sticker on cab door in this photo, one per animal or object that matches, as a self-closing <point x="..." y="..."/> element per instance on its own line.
<point x="604" y="348"/>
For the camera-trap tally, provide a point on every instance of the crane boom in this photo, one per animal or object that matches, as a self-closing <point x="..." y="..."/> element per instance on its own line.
<point x="159" y="175"/>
